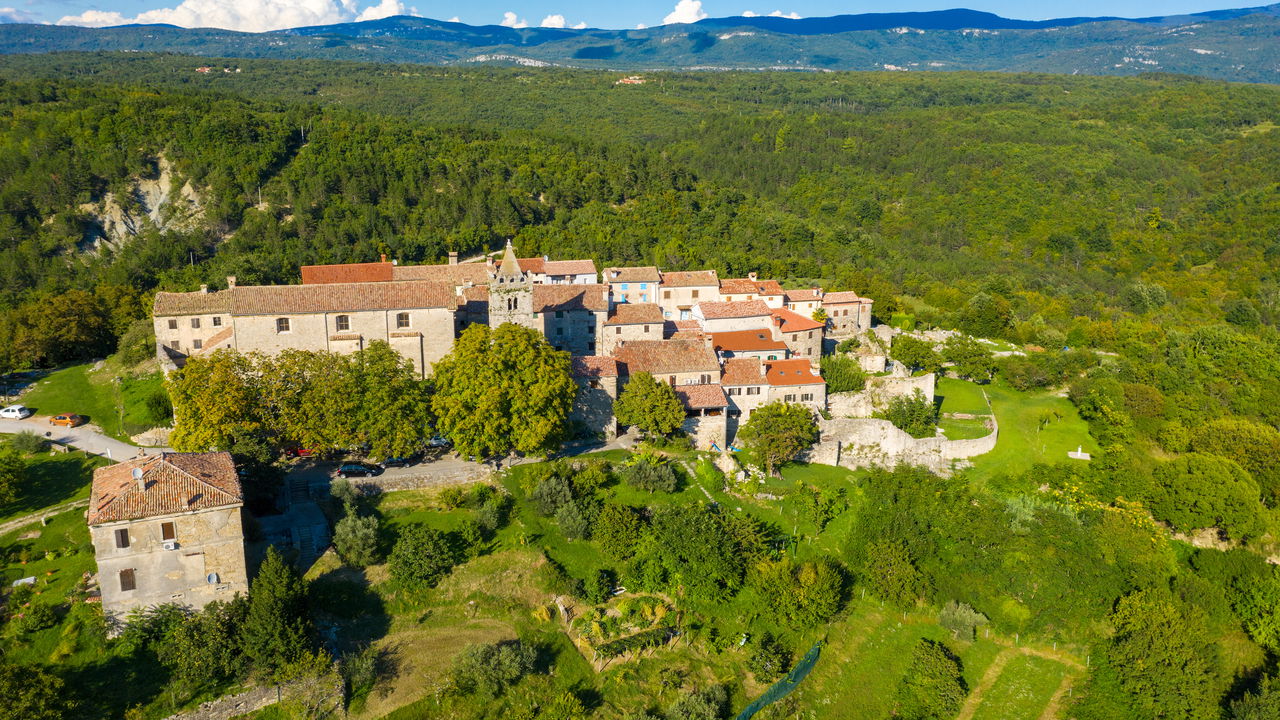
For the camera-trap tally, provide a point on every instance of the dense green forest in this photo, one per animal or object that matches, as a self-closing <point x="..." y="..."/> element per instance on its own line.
<point x="1125" y="232"/>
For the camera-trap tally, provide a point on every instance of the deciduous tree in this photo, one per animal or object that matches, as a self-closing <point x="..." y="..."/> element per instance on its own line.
<point x="779" y="432"/>
<point x="649" y="405"/>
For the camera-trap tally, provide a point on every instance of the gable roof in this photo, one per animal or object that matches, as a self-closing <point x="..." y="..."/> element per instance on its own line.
<point x="347" y="273"/>
<point x="791" y="321"/>
<point x="191" y="303"/>
<point x="336" y="297"/>
<point x="836" y="298"/>
<point x="646" y="273"/>
<point x="594" y="366"/>
<point x="733" y="309"/>
<point x="691" y="278"/>
<point x="697" y="397"/>
<point x="475" y="273"/>
<point x="549" y="298"/>
<point x="743" y="371"/>
<point x="797" y="371"/>
<point x="804" y="295"/>
<point x="664" y="357"/>
<point x="739" y="286"/>
<point x="746" y="341"/>
<point x="174" y="483"/>
<point x="635" y="314"/>
<point x="569" y="267"/>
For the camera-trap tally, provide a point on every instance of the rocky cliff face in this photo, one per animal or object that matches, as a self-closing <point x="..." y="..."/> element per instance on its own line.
<point x="164" y="202"/>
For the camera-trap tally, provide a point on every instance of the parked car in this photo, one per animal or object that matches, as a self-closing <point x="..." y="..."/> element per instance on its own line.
<point x="68" y="420"/>
<point x="350" y="470"/>
<point x="439" y="441"/>
<point x="301" y="452"/>
<point x="15" y="412"/>
<point x="405" y="461"/>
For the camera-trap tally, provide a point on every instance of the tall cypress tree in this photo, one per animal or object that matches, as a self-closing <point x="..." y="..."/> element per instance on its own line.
<point x="278" y="629"/>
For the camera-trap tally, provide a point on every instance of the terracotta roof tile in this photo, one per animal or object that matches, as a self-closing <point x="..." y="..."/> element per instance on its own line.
<point x="798" y="371"/>
<point x="570" y="267"/>
<point x="175" y="483"/>
<point x="746" y="341"/>
<point x="795" y="322"/>
<point x="635" y="314"/>
<point x="632" y="274"/>
<point x="664" y="357"/>
<point x="191" y="303"/>
<point x="302" y="299"/>
<point x="594" y="366"/>
<point x="835" y="298"/>
<point x="682" y="330"/>
<point x="697" y="397"/>
<point x="735" y="309"/>
<point x="743" y="371"/>
<point x="547" y="298"/>
<point x="804" y="295"/>
<point x="692" y="278"/>
<point x="460" y="274"/>
<point x="347" y="273"/>
<point x="744" y="286"/>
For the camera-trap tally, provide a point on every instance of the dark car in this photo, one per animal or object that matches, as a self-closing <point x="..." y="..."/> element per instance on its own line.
<point x="402" y="462"/>
<point x="350" y="470"/>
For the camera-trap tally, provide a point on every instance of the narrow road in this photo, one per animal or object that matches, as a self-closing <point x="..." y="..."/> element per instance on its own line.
<point x="80" y="438"/>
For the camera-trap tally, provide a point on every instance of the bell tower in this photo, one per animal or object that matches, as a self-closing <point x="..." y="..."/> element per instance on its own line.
<point x="510" y="293"/>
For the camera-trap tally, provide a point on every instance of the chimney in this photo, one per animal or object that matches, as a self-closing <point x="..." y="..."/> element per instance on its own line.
<point x="231" y="282"/>
<point x="453" y="257"/>
<point x="751" y="276"/>
<point x="488" y="260"/>
<point x="204" y="288"/>
<point x="545" y="258"/>
<point x="139" y="478"/>
<point x="382" y="257"/>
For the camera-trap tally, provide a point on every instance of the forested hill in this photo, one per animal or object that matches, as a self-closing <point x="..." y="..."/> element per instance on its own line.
<point x="1241" y="45"/>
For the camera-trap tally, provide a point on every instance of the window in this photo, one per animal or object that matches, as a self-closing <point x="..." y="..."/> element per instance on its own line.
<point x="195" y="323"/>
<point x="806" y="397"/>
<point x="666" y="294"/>
<point x="695" y="294"/>
<point x="789" y="398"/>
<point x="559" y="313"/>
<point x="644" y="297"/>
<point x="402" y="320"/>
<point x="591" y="348"/>
<point x="617" y="329"/>
<point x="173" y="324"/>
<point x="559" y="331"/>
<point x="197" y="344"/>
<point x="704" y="379"/>
<point x="591" y="329"/>
<point x="624" y="286"/>
<point x="127" y="580"/>
<point x="672" y="380"/>
<point x="773" y="357"/>
<point x="342" y="323"/>
<point x="734" y="392"/>
<point x="167" y="531"/>
<point x="644" y="286"/>
<point x="217" y="321"/>
<point x="646" y="329"/>
<point x="753" y="391"/>
<point x="684" y="314"/>
<point x="173" y="344"/>
<point x="122" y="538"/>
<point x="282" y="325"/>
<point x="810" y="334"/>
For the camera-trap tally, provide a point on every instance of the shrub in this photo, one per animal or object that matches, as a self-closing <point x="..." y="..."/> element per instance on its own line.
<point x="490" y="669"/>
<point x="651" y="475"/>
<point x="421" y="557"/>
<point x="769" y="658"/>
<point x="842" y="373"/>
<point x="28" y="442"/>
<point x="557" y="581"/>
<point x="916" y="415"/>
<point x="35" y="617"/>
<point x="961" y="619"/>
<point x="933" y="687"/>
<point x="599" y="586"/>
<point x="573" y="522"/>
<point x="494" y="513"/>
<point x="356" y="539"/>
<point x="344" y="492"/>
<point x="453" y="497"/>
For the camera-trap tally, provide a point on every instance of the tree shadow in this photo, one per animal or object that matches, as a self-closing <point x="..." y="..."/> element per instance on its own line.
<point x="348" y="612"/>
<point x="107" y="688"/>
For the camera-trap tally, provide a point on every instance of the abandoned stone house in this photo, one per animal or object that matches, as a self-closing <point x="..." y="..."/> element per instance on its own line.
<point x="167" y="529"/>
<point x="597" y="380"/>
<point x="847" y="314"/>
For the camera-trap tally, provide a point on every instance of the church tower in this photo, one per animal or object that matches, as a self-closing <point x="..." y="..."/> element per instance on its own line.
<point x="511" y="293"/>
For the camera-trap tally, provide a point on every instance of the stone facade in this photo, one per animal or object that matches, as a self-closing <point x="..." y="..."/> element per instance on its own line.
<point x="859" y="443"/>
<point x="597" y="379"/>
<point x="680" y="291"/>
<point x="847" y="314"/>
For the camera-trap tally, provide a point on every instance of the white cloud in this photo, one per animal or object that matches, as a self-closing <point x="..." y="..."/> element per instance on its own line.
<point x="386" y="9"/>
<point x="14" y="15"/>
<point x="580" y="26"/>
<point x="778" y="13"/>
<point x="553" y="21"/>
<point x="641" y="26"/>
<point x="247" y="15"/>
<point x="455" y="18"/>
<point x="750" y="13"/>
<point x="510" y="20"/>
<point x="686" y="11"/>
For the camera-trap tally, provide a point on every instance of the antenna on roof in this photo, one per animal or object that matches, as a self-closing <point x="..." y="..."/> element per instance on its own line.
<point x="137" y="477"/>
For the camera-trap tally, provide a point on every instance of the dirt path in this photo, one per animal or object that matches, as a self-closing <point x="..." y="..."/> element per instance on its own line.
<point x="35" y="517"/>
<point x="993" y="671"/>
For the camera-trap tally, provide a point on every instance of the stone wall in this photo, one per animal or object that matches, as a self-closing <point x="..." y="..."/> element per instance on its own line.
<point x="865" y="442"/>
<point x="705" y="430"/>
<point x="427" y="476"/>
<point x="879" y="391"/>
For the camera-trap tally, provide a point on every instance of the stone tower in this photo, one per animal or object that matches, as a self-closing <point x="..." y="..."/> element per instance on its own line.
<point x="510" y="293"/>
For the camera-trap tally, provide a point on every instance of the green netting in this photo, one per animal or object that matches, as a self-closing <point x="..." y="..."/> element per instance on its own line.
<point x="783" y="687"/>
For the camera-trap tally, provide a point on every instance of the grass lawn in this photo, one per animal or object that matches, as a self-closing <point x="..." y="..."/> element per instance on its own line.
<point x="118" y="408"/>
<point x="1024" y="687"/>
<point x="956" y="429"/>
<point x="52" y="480"/>
<point x="962" y="396"/>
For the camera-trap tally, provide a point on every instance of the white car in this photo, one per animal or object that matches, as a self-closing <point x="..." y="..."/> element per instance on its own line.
<point x="15" y="412"/>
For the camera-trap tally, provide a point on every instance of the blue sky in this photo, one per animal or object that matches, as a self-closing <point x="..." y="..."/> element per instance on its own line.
<point x="268" y="14"/>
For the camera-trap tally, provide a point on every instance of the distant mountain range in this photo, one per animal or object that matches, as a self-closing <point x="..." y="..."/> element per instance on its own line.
<point x="1241" y="44"/>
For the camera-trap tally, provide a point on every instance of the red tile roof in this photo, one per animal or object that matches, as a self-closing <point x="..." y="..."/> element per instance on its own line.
<point x="664" y="357"/>
<point x="692" y="278"/>
<point x="798" y="371"/>
<point x="476" y="273"/>
<point x="632" y="274"/>
<point x="698" y="397"/>
<point x="795" y="322"/>
<point x="303" y="299"/>
<point x="746" y="341"/>
<point x="743" y="371"/>
<point x="347" y="273"/>
<point x="175" y="483"/>
<point x="549" y="298"/>
<point x="594" y="366"/>
<point x="570" y="267"/>
<point x="836" y="298"/>
<point x="682" y="330"/>
<point x="635" y="314"/>
<point x="734" y="309"/>
<point x="742" y="286"/>
<point x="804" y="295"/>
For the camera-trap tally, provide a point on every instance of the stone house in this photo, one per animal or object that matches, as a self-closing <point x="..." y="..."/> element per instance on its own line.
<point x="728" y="316"/>
<point x="633" y="284"/>
<point x="752" y="288"/>
<point x="543" y="270"/>
<point x="680" y="291"/>
<point x="847" y="314"/>
<point x="802" y="334"/>
<point x="572" y="317"/>
<point x="597" y="380"/>
<point x="675" y="362"/>
<point x="167" y="529"/>
<point x="415" y="318"/>
<point x="746" y="386"/>
<point x="706" y="416"/>
<point x="632" y="321"/>
<point x="804" y="301"/>
<point x="796" y="381"/>
<point x="759" y="343"/>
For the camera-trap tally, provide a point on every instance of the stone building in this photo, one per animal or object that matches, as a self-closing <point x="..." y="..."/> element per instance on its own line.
<point x="415" y="318"/>
<point x="545" y="271"/>
<point x="633" y="284"/>
<point x="847" y="314"/>
<point x="750" y="382"/>
<point x="749" y="343"/>
<point x="167" y="529"/>
<point x="804" y="301"/>
<point x="705" y="414"/>
<point x="802" y="334"/>
<point x="680" y="291"/>
<point x="597" y="380"/>
<point x="732" y="315"/>
<point x="752" y="288"/>
<point x="675" y="362"/>
<point x="745" y="385"/>
<point x="632" y="321"/>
